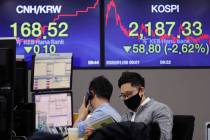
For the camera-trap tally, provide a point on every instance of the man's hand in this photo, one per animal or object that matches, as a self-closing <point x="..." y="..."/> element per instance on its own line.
<point x="89" y="131"/>
<point x="83" y="111"/>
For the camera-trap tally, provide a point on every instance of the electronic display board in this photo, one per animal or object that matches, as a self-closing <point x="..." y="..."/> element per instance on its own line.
<point x="54" y="26"/>
<point x="157" y="33"/>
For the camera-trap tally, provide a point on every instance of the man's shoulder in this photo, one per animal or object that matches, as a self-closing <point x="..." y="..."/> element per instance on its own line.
<point x="104" y="108"/>
<point x="160" y="107"/>
<point x="157" y="104"/>
<point x="108" y="109"/>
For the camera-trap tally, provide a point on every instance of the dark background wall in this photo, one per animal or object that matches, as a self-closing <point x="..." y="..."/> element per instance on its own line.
<point x="185" y="91"/>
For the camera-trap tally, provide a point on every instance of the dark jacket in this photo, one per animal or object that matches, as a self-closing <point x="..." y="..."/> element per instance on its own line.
<point x="127" y="131"/>
<point x="45" y="136"/>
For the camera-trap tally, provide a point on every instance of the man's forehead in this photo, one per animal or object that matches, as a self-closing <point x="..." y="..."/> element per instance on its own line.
<point x="127" y="87"/>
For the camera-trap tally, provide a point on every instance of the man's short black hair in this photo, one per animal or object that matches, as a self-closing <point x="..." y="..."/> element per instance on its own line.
<point x="102" y="87"/>
<point x="131" y="77"/>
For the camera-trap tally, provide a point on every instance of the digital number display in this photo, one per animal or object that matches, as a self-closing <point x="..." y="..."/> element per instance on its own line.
<point x="54" y="26"/>
<point x="151" y="33"/>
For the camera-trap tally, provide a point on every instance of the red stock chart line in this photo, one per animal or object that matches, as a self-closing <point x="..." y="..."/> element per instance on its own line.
<point x="112" y="5"/>
<point x="77" y="13"/>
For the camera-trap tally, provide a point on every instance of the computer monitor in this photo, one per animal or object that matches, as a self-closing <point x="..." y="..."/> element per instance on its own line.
<point x="7" y="63"/>
<point x="24" y="119"/>
<point x="53" y="110"/>
<point x="51" y="72"/>
<point x="21" y="82"/>
<point x="6" y="114"/>
<point x="207" y="131"/>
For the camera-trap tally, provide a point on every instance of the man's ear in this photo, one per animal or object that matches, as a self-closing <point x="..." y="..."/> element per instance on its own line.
<point x="141" y="91"/>
<point x="92" y="93"/>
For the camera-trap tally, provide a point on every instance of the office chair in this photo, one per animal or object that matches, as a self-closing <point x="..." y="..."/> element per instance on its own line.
<point x="183" y="127"/>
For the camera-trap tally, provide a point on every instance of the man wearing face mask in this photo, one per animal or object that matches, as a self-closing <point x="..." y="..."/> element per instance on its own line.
<point x="142" y="108"/>
<point x="100" y="91"/>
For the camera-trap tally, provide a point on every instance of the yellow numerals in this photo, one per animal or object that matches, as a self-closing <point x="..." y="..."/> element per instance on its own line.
<point x="53" y="29"/>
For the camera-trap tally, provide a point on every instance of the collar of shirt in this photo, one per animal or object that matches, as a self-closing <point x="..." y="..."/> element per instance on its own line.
<point x="145" y="101"/>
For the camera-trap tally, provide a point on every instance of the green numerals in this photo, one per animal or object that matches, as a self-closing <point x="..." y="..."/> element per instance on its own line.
<point x="194" y="28"/>
<point x="165" y="28"/>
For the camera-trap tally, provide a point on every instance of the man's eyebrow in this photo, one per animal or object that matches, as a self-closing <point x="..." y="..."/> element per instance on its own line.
<point x="127" y="92"/>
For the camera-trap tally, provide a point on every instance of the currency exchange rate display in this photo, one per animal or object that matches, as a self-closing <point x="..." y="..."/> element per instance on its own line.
<point x="54" y="26"/>
<point x="157" y="33"/>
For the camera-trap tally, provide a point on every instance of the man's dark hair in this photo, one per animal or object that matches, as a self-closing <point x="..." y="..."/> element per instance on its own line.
<point x="131" y="77"/>
<point x="102" y="87"/>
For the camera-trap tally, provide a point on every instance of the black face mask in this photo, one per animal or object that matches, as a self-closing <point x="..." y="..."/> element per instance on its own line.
<point x="133" y="102"/>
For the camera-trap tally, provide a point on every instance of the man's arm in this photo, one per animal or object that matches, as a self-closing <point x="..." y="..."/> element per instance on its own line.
<point x="83" y="122"/>
<point x="83" y="113"/>
<point x="164" y="117"/>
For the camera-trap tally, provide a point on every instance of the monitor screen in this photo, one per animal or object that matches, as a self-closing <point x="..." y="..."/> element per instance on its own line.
<point x="156" y="33"/>
<point x="52" y="71"/>
<point x="53" y="110"/>
<point x="54" y="26"/>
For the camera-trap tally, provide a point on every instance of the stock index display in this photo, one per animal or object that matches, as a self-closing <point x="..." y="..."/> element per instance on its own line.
<point x="54" y="26"/>
<point x="151" y="33"/>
